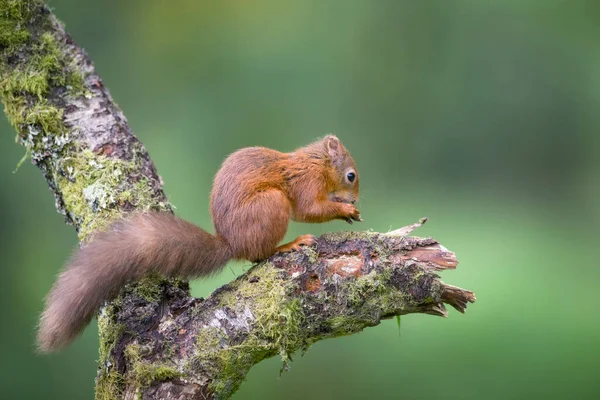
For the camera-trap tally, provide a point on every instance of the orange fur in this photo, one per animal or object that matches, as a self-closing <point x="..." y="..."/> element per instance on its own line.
<point x="255" y="193"/>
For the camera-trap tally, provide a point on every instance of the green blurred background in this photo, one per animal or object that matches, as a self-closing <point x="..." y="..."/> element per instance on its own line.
<point x="480" y="115"/>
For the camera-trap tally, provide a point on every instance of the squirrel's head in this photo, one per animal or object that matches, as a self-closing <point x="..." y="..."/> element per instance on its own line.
<point x="344" y="175"/>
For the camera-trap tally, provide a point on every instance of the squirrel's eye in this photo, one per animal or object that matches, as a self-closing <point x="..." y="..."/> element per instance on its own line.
<point x="351" y="176"/>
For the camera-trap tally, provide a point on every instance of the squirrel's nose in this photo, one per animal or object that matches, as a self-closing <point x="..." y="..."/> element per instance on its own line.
<point x="353" y="201"/>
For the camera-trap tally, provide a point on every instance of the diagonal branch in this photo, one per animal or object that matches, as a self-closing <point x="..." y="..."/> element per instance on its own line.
<point x="156" y="341"/>
<point x="348" y="281"/>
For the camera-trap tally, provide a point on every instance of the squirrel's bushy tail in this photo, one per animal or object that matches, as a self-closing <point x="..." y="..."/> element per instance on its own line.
<point x="130" y="248"/>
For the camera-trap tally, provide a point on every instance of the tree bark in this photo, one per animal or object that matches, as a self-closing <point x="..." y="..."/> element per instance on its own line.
<point x="156" y="341"/>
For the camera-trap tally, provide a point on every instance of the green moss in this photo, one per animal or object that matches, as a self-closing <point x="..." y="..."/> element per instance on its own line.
<point x="143" y="373"/>
<point x="276" y="329"/>
<point x="47" y="117"/>
<point x="265" y="279"/>
<point x="45" y="68"/>
<point x="149" y="287"/>
<point x="110" y="382"/>
<point x="275" y="314"/>
<point x="11" y="36"/>
<point x="33" y="81"/>
<point x="14" y="15"/>
<point x="380" y="247"/>
<point x="93" y="184"/>
<point x="109" y="386"/>
<point x="366" y="287"/>
<point x="208" y="343"/>
<point x="347" y="325"/>
<point x="363" y="301"/>
<point x="229" y="365"/>
<point x="312" y="254"/>
<point x="344" y="236"/>
<point x="109" y="333"/>
<point x="42" y="70"/>
<point x="33" y="62"/>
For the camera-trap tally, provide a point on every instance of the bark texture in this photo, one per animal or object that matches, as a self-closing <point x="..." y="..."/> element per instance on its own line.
<point x="156" y="341"/>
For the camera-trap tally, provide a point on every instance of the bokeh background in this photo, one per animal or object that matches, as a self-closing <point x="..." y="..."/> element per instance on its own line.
<point x="481" y="115"/>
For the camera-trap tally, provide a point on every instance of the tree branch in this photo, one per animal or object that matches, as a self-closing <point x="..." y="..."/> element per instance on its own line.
<point x="155" y="340"/>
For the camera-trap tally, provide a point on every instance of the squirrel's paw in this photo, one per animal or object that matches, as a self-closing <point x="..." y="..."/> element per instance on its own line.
<point x="296" y="244"/>
<point x="350" y="213"/>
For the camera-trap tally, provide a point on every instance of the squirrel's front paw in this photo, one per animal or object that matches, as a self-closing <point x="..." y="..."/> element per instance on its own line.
<point x="350" y="213"/>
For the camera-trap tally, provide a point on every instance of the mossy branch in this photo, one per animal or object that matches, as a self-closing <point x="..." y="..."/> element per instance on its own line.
<point x="156" y="341"/>
<point x="74" y="132"/>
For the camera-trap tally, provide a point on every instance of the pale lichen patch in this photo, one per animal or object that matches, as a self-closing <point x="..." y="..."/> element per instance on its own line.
<point x="95" y="187"/>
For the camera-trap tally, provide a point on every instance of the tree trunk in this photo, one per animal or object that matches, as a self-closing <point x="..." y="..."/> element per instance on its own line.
<point x="156" y="341"/>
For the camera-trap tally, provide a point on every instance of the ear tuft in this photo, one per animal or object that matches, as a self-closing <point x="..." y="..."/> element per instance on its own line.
<point x="333" y="145"/>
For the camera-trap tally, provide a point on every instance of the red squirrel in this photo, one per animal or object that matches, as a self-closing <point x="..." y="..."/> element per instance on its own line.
<point x="255" y="194"/>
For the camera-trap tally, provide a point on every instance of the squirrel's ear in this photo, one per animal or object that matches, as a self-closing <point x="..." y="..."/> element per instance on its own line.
<point x="333" y="145"/>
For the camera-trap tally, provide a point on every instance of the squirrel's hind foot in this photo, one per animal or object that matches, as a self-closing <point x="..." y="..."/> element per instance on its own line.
<point x="296" y="244"/>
